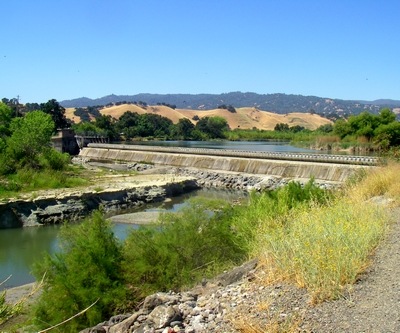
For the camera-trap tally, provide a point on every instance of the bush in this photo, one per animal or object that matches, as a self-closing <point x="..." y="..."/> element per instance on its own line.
<point x="189" y="245"/>
<point x="87" y="269"/>
<point x="55" y="160"/>
<point x="7" y="165"/>
<point x="7" y="311"/>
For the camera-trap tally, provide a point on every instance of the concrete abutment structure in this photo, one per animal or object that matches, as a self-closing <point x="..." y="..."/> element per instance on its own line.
<point x="320" y="167"/>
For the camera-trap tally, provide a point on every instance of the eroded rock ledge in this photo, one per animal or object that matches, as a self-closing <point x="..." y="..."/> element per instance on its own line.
<point x="75" y="205"/>
<point x="116" y="192"/>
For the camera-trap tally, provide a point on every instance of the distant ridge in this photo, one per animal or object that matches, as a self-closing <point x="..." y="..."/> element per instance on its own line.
<point x="278" y="103"/>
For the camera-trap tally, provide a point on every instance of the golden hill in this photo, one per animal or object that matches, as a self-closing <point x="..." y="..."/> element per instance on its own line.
<point x="244" y="118"/>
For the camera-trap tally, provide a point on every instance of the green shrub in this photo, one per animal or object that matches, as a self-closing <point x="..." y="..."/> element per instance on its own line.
<point x="189" y="245"/>
<point x="87" y="269"/>
<point x="7" y="311"/>
<point x="55" y="160"/>
<point x="27" y="179"/>
<point x="7" y="165"/>
<point x="271" y="210"/>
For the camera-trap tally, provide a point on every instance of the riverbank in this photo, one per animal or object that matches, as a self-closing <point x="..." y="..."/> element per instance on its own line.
<point x="111" y="192"/>
<point x="116" y="189"/>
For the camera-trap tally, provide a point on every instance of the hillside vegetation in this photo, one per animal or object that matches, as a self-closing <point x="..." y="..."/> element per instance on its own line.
<point x="243" y="118"/>
<point x="279" y="103"/>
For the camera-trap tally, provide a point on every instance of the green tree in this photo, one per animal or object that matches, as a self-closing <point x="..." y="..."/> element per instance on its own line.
<point x="281" y="127"/>
<point x="57" y="113"/>
<point x="341" y="128"/>
<point x="296" y="129"/>
<point x="184" y="128"/>
<point x="126" y="124"/>
<point x="386" y="116"/>
<point x="388" y="134"/>
<point x="87" y="269"/>
<point x="363" y="124"/>
<point x="107" y="123"/>
<point x="213" y="127"/>
<point x="88" y="129"/>
<point x="31" y="136"/>
<point x="128" y="119"/>
<point x="5" y="121"/>
<point x="153" y="125"/>
<point x="328" y="128"/>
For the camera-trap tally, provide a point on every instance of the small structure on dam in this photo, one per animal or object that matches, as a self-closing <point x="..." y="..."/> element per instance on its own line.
<point x="332" y="168"/>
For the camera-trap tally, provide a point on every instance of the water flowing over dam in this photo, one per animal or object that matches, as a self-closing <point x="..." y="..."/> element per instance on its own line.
<point x="322" y="167"/>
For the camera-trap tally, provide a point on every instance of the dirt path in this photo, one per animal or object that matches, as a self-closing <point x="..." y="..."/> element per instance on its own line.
<point x="374" y="304"/>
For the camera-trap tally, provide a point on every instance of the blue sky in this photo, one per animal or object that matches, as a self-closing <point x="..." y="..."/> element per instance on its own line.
<point x="348" y="49"/>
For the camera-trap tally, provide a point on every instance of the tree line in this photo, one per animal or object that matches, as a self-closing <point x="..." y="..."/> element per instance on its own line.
<point x="132" y="125"/>
<point x="381" y="130"/>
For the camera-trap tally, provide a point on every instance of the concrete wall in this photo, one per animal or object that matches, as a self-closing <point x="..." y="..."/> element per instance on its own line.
<point x="286" y="169"/>
<point x="64" y="141"/>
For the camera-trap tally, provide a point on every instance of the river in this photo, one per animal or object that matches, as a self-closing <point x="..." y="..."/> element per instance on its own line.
<point x="264" y="146"/>
<point x="20" y="248"/>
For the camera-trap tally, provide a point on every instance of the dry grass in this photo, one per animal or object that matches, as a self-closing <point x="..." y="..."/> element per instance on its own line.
<point x="117" y="111"/>
<point x="325" y="248"/>
<point x="268" y="321"/>
<point x="381" y="181"/>
<point x="244" y="118"/>
<point x="327" y="139"/>
<point x="69" y="113"/>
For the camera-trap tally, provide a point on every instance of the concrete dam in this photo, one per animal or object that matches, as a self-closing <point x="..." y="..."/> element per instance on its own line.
<point x="323" y="167"/>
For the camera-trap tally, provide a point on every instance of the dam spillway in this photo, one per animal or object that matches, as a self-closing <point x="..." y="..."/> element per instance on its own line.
<point x="322" y="167"/>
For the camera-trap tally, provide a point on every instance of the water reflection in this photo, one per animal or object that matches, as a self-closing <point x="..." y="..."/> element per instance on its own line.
<point x="19" y="248"/>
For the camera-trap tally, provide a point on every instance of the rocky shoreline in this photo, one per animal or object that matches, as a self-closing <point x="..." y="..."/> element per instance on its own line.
<point x="74" y="205"/>
<point x="128" y="192"/>
<point x="243" y="181"/>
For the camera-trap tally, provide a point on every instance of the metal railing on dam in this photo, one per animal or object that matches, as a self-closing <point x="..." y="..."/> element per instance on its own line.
<point x="301" y="157"/>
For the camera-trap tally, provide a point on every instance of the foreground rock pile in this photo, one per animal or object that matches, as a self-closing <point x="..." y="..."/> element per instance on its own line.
<point x="202" y="309"/>
<point x="233" y="302"/>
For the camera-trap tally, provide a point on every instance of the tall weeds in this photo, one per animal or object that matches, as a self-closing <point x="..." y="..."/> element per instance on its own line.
<point x="381" y="181"/>
<point x="324" y="247"/>
<point x="26" y="180"/>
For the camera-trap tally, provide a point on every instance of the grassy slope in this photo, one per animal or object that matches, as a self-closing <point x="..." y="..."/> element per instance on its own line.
<point x="244" y="118"/>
